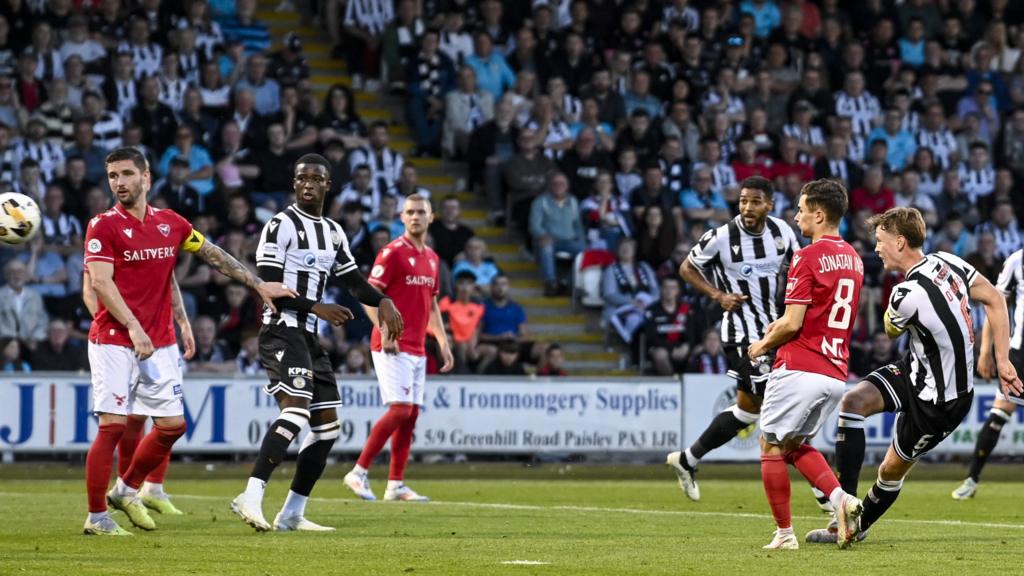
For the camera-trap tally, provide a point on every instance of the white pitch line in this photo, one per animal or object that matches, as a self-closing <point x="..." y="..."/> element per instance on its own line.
<point x="526" y="563"/>
<point x="595" y="509"/>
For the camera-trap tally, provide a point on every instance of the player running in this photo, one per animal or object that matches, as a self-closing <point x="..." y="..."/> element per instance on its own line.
<point x="406" y="270"/>
<point x="1011" y="280"/>
<point x="932" y="389"/>
<point x="809" y="376"/>
<point x="745" y="259"/>
<point x="303" y="249"/>
<point x="152" y="492"/>
<point x="131" y="251"/>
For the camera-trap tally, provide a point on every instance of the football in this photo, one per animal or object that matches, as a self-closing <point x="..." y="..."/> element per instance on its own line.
<point x="19" y="218"/>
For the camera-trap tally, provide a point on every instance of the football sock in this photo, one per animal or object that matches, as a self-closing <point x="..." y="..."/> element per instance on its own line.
<point x="723" y="427"/>
<point x="313" y="456"/>
<point x="881" y="496"/>
<point x="775" y="476"/>
<point x="382" y="430"/>
<point x="987" y="440"/>
<point x="152" y="451"/>
<point x="294" y="505"/>
<point x="254" y="488"/>
<point x="95" y="517"/>
<point x="160" y="472"/>
<point x="849" y="450"/>
<point x="357" y="469"/>
<point x="128" y="444"/>
<point x="394" y="484"/>
<point x="691" y="460"/>
<point x="820" y="496"/>
<point x="401" y="445"/>
<point x="276" y="441"/>
<point x="814" y="468"/>
<point x="99" y="463"/>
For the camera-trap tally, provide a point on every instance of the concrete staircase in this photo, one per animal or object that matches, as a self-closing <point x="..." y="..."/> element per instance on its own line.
<point x="550" y="319"/>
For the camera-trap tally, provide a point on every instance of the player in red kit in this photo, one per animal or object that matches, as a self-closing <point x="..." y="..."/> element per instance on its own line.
<point x="405" y="271"/>
<point x="809" y="376"/>
<point x="130" y="252"/>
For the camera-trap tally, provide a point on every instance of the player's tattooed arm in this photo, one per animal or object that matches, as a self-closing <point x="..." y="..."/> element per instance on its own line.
<point x="227" y="265"/>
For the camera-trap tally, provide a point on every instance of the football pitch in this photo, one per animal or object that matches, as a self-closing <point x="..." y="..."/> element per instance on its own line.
<point x="511" y="519"/>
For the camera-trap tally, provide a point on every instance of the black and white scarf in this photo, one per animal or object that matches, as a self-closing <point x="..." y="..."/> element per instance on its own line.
<point x="640" y="282"/>
<point x="429" y="69"/>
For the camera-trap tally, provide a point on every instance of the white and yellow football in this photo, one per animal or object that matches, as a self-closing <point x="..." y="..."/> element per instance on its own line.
<point x="19" y="218"/>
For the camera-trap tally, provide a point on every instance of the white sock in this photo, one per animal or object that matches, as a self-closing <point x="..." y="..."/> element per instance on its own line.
<point x="153" y="489"/>
<point x="123" y="489"/>
<point x="95" y="517"/>
<point x="836" y="498"/>
<point x="395" y="484"/>
<point x="357" y="469"/>
<point x="785" y="531"/>
<point x="691" y="460"/>
<point x="255" y="488"/>
<point x="294" y="505"/>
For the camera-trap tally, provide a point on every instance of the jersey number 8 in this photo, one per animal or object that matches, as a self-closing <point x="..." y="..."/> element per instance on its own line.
<point x="841" y="314"/>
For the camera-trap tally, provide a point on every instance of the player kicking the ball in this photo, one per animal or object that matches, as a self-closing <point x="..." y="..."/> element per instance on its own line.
<point x="302" y="248"/>
<point x="131" y="251"/>
<point x="809" y="376"/>
<point x="932" y="389"/>
<point x="406" y="270"/>
<point x="1011" y="280"/>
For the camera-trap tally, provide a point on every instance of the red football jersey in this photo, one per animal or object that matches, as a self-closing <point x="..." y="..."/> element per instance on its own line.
<point x="409" y="277"/>
<point x="826" y="276"/>
<point x="144" y="254"/>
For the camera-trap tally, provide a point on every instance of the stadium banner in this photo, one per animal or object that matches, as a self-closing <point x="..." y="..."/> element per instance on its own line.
<point x="40" y="413"/>
<point x="707" y="395"/>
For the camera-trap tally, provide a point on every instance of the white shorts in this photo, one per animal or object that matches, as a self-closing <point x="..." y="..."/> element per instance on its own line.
<point x="401" y="377"/>
<point x="797" y="403"/>
<point x="123" y="385"/>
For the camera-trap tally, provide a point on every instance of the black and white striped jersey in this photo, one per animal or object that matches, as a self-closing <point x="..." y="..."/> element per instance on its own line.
<point x="934" y="305"/>
<point x="308" y="250"/>
<point x="740" y="262"/>
<point x="1008" y="238"/>
<point x="48" y="155"/>
<point x="812" y="136"/>
<point x="862" y="110"/>
<point x="857" y="148"/>
<point x="106" y="131"/>
<point x="977" y="183"/>
<point x="385" y="166"/>
<point x="1011" y="284"/>
<point x="941" y="142"/>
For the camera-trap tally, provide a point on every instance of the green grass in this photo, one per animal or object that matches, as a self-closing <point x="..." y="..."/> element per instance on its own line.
<point x="578" y="520"/>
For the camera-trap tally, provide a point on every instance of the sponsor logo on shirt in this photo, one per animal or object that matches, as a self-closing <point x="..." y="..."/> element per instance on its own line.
<point x="143" y="254"/>
<point x="309" y="260"/>
<point x="300" y="372"/>
<point x="419" y="280"/>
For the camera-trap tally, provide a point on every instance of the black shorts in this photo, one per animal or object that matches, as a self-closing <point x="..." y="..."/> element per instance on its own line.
<point x="298" y="366"/>
<point x="919" y="426"/>
<point x="742" y="371"/>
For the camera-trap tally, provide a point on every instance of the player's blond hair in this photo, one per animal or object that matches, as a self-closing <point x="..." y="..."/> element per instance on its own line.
<point x="415" y="197"/>
<point x="906" y="222"/>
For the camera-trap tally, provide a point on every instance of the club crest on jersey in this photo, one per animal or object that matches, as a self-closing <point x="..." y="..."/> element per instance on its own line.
<point x="164" y="229"/>
<point x="335" y="237"/>
<point x="118" y="399"/>
<point x="779" y="244"/>
<point x="299" y="382"/>
<point x="128" y="232"/>
<point x="95" y="245"/>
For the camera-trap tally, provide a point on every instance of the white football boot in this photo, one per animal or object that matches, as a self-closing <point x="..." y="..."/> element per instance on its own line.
<point x="687" y="475"/>
<point x="298" y="524"/>
<point x="403" y="494"/>
<point x="965" y="490"/>
<point x="848" y="519"/>
<point x="250" y="512"/>
<point x="782" y="542"/>
<point x="359" y="484"/>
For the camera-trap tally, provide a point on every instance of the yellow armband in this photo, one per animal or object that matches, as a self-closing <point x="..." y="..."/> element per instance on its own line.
<point x="194" y="242"/>
<point x="891" y="329"/>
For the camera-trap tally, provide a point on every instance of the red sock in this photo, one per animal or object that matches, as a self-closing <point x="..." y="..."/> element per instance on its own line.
<point x="153" y="450"/>
<point x="775" y="476"/>
<point x="382" y="430"/>
<point x="401" y="445"/>
<point x="158" y="473"/>
<point x="99" y="463"/>
<point x="813" y="466"/>
<point x="128" y="444"/>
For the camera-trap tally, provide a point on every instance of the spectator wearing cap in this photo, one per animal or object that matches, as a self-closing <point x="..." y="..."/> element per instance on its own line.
<point x="244" y="27"/>
<point x="465" y="109"/>
<point x="288" y="66"/>
<point x="476" y="260"/>
<point x="901" y="144"/>
<point x="493" y="74"/>
<point x="176" y="192"/>
<point x="22" y="314"/>
<point x="58" y="352"/>
<point x="431" y="77"/>
<point x="35" y="145"/>
<point x="463" y="316"/>
<point x="198" y="158"/>
<point x="555" y="226"/>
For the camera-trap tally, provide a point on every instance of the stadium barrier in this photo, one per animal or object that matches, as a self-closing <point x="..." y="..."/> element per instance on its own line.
<point x="42" y="413"/>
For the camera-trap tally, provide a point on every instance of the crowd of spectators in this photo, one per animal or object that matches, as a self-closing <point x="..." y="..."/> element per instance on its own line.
<point x="616" y="125"/>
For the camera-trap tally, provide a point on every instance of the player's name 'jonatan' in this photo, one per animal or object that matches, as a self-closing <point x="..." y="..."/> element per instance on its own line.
<point x="833" y="262"/>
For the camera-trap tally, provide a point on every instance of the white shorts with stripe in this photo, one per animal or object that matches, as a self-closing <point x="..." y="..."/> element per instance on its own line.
<point x="797" y="403"/>
<point x="123" y="385"/>
<point x="402" y="377"/>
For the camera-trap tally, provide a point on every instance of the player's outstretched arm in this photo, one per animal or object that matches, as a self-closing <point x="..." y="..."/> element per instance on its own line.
<point x="998" y="319"/>
<point x="101" y="275"/>
<point x="436" y="327"/>
<point x="227" y="265"/>
<point x="780" y="331"/>
<point x="181" y="319"/>
<point x="387" y="315"/>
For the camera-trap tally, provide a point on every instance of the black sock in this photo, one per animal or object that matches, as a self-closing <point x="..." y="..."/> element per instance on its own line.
<point x="987" y="440"/>
<point x="275" y="443"/>
<point x="849" y="450"/>
<point x="724" y="427"/>
<point x="881" y="496"/>
<point x="313" y="458"/>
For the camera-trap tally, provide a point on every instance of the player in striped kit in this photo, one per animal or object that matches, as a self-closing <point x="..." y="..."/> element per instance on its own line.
<point x="932" y="389"/>
<point x="1010" y="283"/>
<point x="745" y="260"/>
<point x="302" y="249"/>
